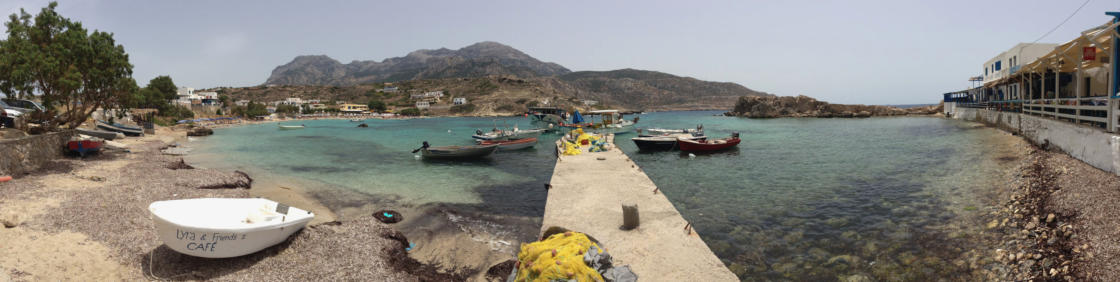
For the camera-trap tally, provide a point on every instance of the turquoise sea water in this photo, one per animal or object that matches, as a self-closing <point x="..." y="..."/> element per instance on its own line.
<point x="801" y="199"/>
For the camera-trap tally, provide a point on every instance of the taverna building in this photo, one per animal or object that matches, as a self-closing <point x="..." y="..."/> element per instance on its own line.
<point x="1063" y="95"/>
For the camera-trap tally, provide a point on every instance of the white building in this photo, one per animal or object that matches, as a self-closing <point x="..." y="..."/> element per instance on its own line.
<point x="590" y="102"/>
<point x="242" y="103"/>
<point x="459" y="101"/>
<point x="390" y="89"/>
<point x="428" y="96"/>
<point x="186" y="96"/>
<point x="1008" y="62"/>
<point x="422" y="105"/>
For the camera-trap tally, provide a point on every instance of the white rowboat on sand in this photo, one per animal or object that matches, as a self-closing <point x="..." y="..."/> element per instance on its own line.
<point x="222" y="228"/>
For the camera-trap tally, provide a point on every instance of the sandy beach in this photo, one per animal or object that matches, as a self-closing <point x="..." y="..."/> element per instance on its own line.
<point x="87" y="219"/>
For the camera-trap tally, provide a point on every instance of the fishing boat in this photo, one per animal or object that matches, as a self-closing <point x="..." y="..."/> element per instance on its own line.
<point x="663" y="142"/>
<point x="514" y="134"/>
<point x="661" y="131"/>
<point x="510" y="145"/>
<point x="222" y="228"/>
<point x="116" y="127"/>
<point x="708" y="145"/>
<point x="552" y="115"/>
<point x="291" y="127"/>
<point x="107" y="135"/>
<point x="611" y="122"/>
<point x="83" y="146"/>
<point x="457" y="152"/>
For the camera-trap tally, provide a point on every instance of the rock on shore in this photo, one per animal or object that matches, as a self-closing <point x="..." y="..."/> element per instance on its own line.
<point x="804" y="106"/>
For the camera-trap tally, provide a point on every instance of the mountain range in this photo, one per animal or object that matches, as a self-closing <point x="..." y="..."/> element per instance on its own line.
<point x="625" y="88"/>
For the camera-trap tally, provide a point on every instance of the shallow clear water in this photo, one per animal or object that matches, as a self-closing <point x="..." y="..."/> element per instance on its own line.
<point x="802" y="199"/>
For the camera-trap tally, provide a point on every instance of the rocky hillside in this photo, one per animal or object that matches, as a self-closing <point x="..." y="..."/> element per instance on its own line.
<point x="477" y="60"/>
<point x="804" y="106"/>
<point x="651" y="90"/>
<point x="625" y="88"/>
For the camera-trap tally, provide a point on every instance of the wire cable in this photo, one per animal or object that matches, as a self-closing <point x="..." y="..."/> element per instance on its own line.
<point x="1063" y="21"/>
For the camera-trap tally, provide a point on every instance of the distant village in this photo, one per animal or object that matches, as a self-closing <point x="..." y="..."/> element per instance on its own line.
<point x="208" y="102"/>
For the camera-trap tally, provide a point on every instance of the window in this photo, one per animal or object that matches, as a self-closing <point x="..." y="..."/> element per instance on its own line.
<point x="998" y="65"/>
<point x="985" y="71"/>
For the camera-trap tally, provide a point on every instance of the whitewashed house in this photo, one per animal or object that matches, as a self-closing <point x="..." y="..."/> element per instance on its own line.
<point x="459" y="101"/>
<point x="423" y="105"/>
<point x="590" y="102"/>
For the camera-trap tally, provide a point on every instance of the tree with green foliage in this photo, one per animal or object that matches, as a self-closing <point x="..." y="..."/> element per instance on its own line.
<point x="73" y="71"/>
<point x="165" y="87"/>
<point x="287" y="109"/>
<point x="377" y="106"/>
<point x="250" y="110"/>
<point x="224" y="99"/>
<point x="409" y="112"/>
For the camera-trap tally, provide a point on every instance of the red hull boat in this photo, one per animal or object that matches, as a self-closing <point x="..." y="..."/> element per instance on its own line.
<point x="708" y="145"/>
<point x="83" y="147"/>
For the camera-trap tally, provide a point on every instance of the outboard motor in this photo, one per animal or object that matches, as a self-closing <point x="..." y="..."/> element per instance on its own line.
<point x="735" y="134"/>
<point x="425" y="146"/>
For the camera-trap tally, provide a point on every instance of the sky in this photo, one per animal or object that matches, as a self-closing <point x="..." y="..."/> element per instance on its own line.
<point x="865" y="52"/>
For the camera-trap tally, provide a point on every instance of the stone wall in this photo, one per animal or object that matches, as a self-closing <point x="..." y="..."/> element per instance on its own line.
<point x="26" y="154"/>
<point x="1089" y="144"/>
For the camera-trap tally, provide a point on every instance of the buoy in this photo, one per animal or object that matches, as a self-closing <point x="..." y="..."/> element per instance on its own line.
<point x="691" y="156"/>
<point x="5" y="178"/>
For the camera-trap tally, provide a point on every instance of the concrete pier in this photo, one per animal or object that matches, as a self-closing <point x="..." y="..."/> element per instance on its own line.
<point x="587" y="194"/>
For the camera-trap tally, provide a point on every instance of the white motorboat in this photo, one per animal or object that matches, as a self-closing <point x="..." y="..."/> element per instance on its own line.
<point x="611" y="122"/>
<point x="291" y="127"/>
<point x="508" y="134"/>
<point x="222" y="228"/>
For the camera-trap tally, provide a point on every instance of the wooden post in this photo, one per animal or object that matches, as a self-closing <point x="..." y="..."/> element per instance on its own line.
<point x="1057" y="87"/>
<point x="1077" y="88"/>
<point x="630" y="219"/>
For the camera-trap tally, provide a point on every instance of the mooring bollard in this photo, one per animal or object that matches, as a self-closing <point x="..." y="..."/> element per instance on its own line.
<point x="630" y="218"/>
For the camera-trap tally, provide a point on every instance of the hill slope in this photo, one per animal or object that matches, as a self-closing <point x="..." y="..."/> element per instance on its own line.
<point x="479" y="59"/>
<point x="430" y="70"/>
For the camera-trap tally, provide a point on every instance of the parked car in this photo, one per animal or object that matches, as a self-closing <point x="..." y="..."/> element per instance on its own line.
<point x="8" y="117"/>
<point x="26" y="106"/>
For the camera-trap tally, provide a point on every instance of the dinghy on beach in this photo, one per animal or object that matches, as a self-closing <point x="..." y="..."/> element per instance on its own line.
<point x="222" y="228"/>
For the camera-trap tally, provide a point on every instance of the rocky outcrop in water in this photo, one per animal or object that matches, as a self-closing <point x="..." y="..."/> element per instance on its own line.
<point x="804" y="106"/>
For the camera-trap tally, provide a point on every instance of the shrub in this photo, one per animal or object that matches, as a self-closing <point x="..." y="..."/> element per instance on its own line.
<point x="522" y="101"/>
<point x="409" y="112"/>
<point x="462" y="109"/>
<point x="505" y="108"/>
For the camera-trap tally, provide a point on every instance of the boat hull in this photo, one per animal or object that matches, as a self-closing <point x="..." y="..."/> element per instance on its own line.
<point x="523" y="134"/>
<point x="512" y="144"/>
<point x="459" y="152"/>
<point x="83" y="147"/>
<point x="655" y="143"/>
<point x="125" y="131"/>
<point x="707" y="145"/>
<point x="225" y="239"/>
<point x="660" y="143"/>
<point x="107" y="135"/>
<point x="284" y="127"/>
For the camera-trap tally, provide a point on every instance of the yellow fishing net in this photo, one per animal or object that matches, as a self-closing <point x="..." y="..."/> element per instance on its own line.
<point x="571" y="149"/>
<point x="560" y="257"/>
